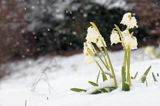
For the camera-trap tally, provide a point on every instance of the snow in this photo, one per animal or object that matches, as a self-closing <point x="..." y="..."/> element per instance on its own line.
<point x="47" y="82"/>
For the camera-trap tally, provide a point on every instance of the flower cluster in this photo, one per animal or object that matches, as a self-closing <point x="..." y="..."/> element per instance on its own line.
<point x="95" y="51"/>
<point x="93" y="37"/>
<point x="129" y="20"/>
<point x="125" y="37"/>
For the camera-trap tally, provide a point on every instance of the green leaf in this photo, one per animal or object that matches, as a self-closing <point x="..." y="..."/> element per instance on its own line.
<point x="103" y="90"/>
<point x="78" y="90"/>
<point x="92" y="83"/>
<point x="96" y="92"/>
<point x="123" y="78"/>
<point x="135" y="76"/>
<point x="98" y="77"/>
<point x="101" y="69"/>
<point x="104" y="63"/>
<point x="143" y="78"/>
<point x="154" y="77"/>
<point x="126" y="87"/>
<point x="104" y="77"/>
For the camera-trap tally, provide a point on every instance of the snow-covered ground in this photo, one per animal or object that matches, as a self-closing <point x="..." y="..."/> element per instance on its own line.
<point x="47" y="82"/>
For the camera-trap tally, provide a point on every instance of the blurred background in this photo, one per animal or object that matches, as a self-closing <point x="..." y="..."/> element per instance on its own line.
<point x="34" y="28"/>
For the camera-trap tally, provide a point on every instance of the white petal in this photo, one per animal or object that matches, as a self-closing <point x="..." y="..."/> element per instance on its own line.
<point x="114" y="38"/>
<point x="126" y="33"/>
<point x="130" y="41"/>
<point x="129" y="21"/>
<point x="101" y="42"/>
<point x="92" y="35"/>
<point x="95" y="37"/>
<point x="88" y="49"/>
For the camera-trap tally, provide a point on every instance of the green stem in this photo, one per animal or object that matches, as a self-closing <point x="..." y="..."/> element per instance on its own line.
<point x="124" y="71"/>
<point x="128" y="67"/>
<point x="106" y="61"/>
<point x="121" y="36"/>
<point x="125" y="60"/>
<point x="92" y="55"/>
<point x="126" y="56"/>
<point x="109" y="60"/>
<point x="112" y="70"/>
<point x="101" y="69"/>
<point x="110" y="63"/>
<point x="123" y="78"/>
<point x="103" y="62"/>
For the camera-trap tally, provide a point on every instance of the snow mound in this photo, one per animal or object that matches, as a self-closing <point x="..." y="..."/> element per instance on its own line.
<point x="47" y="82"/>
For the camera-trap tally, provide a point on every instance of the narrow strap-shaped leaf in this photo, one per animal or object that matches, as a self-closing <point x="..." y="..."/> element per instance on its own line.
<point x="105" y="64"/>
<point x="98" y="77"/>
<point x="102" y="71"/>
<point x="135" y="76"/>
<point x="104" y="76"/>
<point x="143" y="78"/>
<point x="109" y="74"/>
<point x="96" y="92"/>
<point x="95" y="26"/>
<point x="111" y="67"/>
<point x="78" y="90"/>
<point x="125" y="85"/>
<point x="103" y="90"/>
<point x="92" y="83"/>
<point x="154" y="77"/>
<point x="121" y="36"/>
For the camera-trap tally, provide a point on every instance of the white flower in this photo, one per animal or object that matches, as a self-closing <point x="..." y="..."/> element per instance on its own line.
<point x="101" y="42"/>
<point x="130" y="41"/>
<point x="88" y="49"/>
<point x="126" y="33"/>
<point x="129" y="20"/>
<point x="94" y="36"/>
<point x="114" y="38"/>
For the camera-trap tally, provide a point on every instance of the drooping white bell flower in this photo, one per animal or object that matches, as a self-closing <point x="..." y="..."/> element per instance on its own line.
<point x="126" y="33"/>
<point x="129" y="20"/>
<point x="114" y="38"/>
<point x="130" y="41"/>
<point x="88" y="51"/>
<point x="94" y="36"/>
<point x="101" y="42"/>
